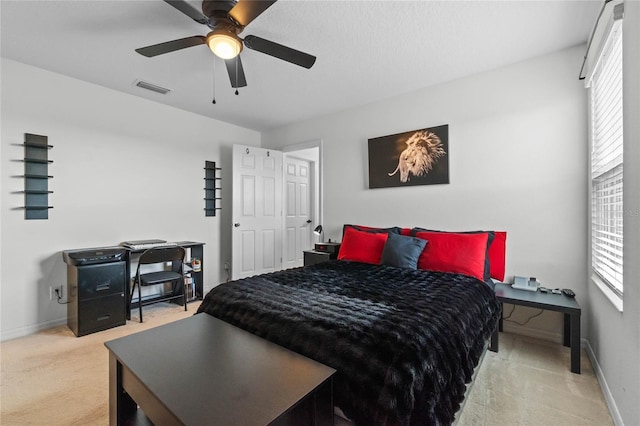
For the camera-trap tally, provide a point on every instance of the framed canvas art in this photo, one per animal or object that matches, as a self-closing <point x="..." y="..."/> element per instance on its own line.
<point x="418" y="157"/>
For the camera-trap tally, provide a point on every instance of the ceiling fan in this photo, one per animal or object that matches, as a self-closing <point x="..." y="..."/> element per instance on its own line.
<point x="227" y="19"/>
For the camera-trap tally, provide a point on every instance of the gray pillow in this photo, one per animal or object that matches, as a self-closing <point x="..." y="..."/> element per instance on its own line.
<point x="402" y="251"/>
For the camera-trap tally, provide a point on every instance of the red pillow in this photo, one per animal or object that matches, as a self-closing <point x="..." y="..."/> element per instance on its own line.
<point x="497" y="255"/>
<point x="451" y="252"/>
<point x="360" y="246"/>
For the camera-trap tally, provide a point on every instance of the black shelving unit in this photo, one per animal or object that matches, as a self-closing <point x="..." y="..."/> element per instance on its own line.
<point x="36" y="176"/>
<point x="197" y="252"/>
<point x="211" y="188"/>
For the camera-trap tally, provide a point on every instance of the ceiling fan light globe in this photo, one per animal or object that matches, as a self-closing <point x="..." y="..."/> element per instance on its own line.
<point x="224" y="45"/>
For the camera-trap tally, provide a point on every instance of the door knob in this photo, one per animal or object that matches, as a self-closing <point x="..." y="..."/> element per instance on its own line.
<point x="236" y="224"/>
<point x="308" y="220"/>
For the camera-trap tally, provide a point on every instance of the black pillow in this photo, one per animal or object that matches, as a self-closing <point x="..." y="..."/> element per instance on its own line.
<point x="402" y="251"/>
<point x="393" y="229"/>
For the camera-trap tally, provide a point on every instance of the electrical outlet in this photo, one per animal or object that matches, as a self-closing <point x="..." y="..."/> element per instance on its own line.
<point x="226" y="266"/>
<point x="52" y="292"/>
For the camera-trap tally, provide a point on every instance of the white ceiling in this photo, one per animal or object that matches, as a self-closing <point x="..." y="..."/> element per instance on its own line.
<point x="367" y="50"/>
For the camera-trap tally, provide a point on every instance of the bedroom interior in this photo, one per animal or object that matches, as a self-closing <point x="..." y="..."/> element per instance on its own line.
<point x="518" y="162"/>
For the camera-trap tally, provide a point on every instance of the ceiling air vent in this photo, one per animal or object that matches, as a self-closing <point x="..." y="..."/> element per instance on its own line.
<point x="152" y="87"/>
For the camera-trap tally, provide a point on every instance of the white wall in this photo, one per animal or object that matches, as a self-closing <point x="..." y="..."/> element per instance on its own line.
<point x="614" y="337"/>
<point x="124" y="169"/>
<point x="518" y="157"/>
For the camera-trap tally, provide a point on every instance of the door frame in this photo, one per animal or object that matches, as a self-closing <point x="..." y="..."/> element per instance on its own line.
<point x="319" y="185"/>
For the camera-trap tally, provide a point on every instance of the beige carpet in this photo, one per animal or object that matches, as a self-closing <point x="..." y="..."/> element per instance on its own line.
<point x="528" y="382"/>
<point x="54" y="378"/>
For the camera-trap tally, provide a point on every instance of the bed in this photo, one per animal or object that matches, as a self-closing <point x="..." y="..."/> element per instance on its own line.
<point x="404" y="341"/>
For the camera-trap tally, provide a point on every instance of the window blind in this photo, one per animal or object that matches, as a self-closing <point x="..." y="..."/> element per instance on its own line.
<point x="607" y="165"/>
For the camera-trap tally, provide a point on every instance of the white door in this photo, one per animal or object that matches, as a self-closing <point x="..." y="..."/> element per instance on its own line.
<point x="256" y="235"/>
<point x="298" y="210"/>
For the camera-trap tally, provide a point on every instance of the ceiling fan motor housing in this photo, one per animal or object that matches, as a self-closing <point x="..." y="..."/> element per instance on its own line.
<point x="218" y="13"/>
<point x="210" y="6"/>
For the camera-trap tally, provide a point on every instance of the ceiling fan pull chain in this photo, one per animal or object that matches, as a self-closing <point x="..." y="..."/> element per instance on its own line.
<point x="214" y="81"/>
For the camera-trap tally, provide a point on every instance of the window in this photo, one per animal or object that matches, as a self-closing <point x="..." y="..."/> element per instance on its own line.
<point x="606" y="167"/>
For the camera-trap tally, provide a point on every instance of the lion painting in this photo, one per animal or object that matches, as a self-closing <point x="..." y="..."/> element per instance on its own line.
<point x="424" y="148"/>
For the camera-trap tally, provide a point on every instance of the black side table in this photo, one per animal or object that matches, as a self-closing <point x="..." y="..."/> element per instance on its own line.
<point x="552" y="302"/>
<point x="311" y="257"/>
<point x="325" y="251"/>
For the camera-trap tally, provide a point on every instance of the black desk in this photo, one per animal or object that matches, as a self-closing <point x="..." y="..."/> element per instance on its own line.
<point x="201" y="370"/>
<point x="197" y="251"/>
<point x="552" y="302"/>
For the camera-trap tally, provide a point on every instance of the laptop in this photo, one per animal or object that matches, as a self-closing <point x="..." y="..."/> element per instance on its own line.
<point x="131" y="244"/>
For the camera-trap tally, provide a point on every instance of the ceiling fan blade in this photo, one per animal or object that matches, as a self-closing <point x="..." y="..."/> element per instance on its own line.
<point x="236" y="75"/>
<point x="171" y="46"/>
<point x="189" y="10"/>
<point x="279" y="51"/>
<point x="246" y="11"/>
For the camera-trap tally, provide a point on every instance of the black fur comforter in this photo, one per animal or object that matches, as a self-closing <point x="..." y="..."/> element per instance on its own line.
<point x="404" y="342"/>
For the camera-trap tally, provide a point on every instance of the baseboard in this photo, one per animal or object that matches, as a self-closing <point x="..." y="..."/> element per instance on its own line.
<point x="608" y="396"/>
<point x="31" y="329"/>
<point x="538" y="334"/>
<point x="514" y="328"/>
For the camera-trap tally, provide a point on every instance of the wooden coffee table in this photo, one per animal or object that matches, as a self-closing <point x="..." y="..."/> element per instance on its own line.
<point x="202" y="370"/>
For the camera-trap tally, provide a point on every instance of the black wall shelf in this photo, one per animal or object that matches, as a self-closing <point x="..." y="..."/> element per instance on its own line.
<point x="32" y="176"/>
<point x="29" y="160"/>
<point x="36" y="176"/>
<point x="211" y="188"/>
